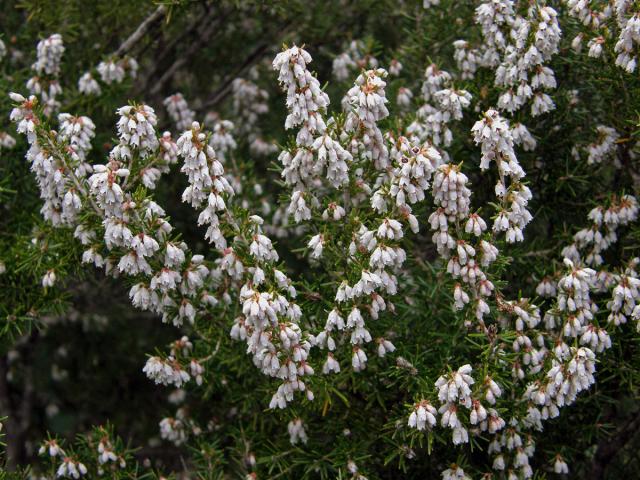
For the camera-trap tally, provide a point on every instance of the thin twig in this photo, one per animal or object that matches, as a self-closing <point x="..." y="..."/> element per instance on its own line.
<point x="253" y="57"/>
<point x="203" y="37"/>
<point x="142" y="29"/>
<point x="167" y="50"/>
<point x="221" y="91"/>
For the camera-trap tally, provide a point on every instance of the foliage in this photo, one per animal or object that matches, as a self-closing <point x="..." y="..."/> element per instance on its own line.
<point x="73" y="348"/>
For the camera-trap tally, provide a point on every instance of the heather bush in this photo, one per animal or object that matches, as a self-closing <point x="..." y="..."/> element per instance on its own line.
<point x="320" y="240"/>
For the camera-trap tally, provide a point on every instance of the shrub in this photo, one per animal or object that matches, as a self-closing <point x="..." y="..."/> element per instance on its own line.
<point x="424" y="278"/>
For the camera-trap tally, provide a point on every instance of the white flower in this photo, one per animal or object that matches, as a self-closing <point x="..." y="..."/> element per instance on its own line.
<point x="404" y="97"/>
<point x="493" y="390"/>
<point x="105" y="453"/>
<point x="384" y="347"/>
<point x="460" y="297"/>
<point x="136" y="128"/>
<point x="111" y="71"/>
<point x="542" y="103"/>
<point x="595" y="47"/>
<point x="179" y="111"/>
<point x="144" y="245"/>
<point x="330" y="365"/>
<point x="494" y="136"/>
<point x="174" y="256"/>
<point x="315" y="245"/>
<point x="395" y="67"/>
<point x="423" y="416"/>
<point x="297" y="432"/>
<point x="51" y="448"/>
<point x="522" y="136"/>
<point x="49" y="279"/>
<point x="197" y="370"/>
<point x="132" y="264"/>
<point x="292" y="70"/>
<point x="454" y="473"/>
<point x="367" y="99"/>
<point x="173" y="430"/>
<point x="49" y="53"/>
<point x="390" y="229"/>
<point x="453" y="101"/>
<point x="6" y="140"/>
<point x="71" y="469"/>
<point x="355" y="57"/>
<point x="249" y="103"/>
<point x="456" y="386"/>
<point x="222" y="140"/>
<point x="88" y="85"/>
<point x="466" y="58"/>
<point x="333" y="212"/>
<point x="262" y="249"/>
<point x="358" y="359"/>
<point x="604" y="147"/>
<point x="166" y="372"/>
<point x="451" y="193"/>
<point x="78" y="131"/>
<point x="546" y="288"/>
<point x="475" y="225"/>
<point x="560" y="466"/>
<point x="165" y="280"/>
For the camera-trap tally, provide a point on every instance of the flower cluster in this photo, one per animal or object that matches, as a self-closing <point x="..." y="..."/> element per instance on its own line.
<point x="49" y="52"/>
<point x="367" y="100"/>
<point x="467" y="59"/>
<point x="78" y="132"/>
<point x="58" y="182"/>
<point x="179" y="111"/>
<point x="454" y="392"/>
<point x="222" y="140"/>
<point x="137" y="234"/>
<point x="206" y="181"/>
<point x="629" y="39"/>
<point x="269" y="321"/>
<point x="452" y="222"/>
<point x="604" y="147"/>
<point x="69" y="467"/>
<point x="249" y="104"/>
<point x="47" y="67"/>
<point x="494" y="136"/>
<point x="593" y="241"/>
<point x="110" y="71"/>
<point x="317" y="147"/>
<point x="356" y="57"/>
<point x="354" y="185"/>
<point x="443" y="103"/>
<point x="174" y="429"/>
<point x="622" y="16"/>
<point x="519" y="47"/>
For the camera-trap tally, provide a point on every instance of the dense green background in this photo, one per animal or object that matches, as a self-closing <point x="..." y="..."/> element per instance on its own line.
<point x="86" y="327"/>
